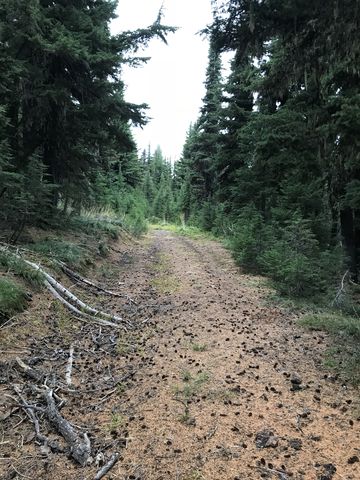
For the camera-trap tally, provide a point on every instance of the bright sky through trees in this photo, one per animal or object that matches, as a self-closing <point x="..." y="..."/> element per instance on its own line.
<point x="172" y="82"/>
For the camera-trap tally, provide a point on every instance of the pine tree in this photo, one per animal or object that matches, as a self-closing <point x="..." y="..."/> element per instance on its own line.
<point x="63" y="96"/>
<point x="287" y="162"/>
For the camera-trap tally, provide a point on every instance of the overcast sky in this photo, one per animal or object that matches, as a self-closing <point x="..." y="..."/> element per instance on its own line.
<point x="172" y="83"/>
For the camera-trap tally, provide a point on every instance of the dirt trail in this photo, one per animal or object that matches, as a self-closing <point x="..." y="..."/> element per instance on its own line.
<point x="224" y="369"/>
<point x="223" y="386"/>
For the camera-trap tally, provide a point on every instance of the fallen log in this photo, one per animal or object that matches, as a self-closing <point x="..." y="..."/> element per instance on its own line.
<point x="80" y="308"/>
<point x="79" y="313"/>
<point x="64" y="291"/>
<point x="80" y="448"/>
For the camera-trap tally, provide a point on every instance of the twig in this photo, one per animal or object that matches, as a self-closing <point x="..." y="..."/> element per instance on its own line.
<point x="29" y="410"/>
<point x="69" y="366"/>
<point x="340" y="291"/>
<point x="107" y="467"/>
<point x="21" y="474"/>
<point x="34" y="374"/>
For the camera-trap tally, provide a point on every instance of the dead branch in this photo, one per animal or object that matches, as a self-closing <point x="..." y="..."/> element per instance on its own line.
<point x="78" y="278"/>
<point x="65" y="292"/>
<point x="30" y="412"/>
<point x="69" y="366"/>
<point x="79" y="313"/>
<point x="34" y="374"/>
<point x="107" y="467"/>
<point x="80" y="308"/>
<point x="339" y="294"/>
<point x="80" y="448"/>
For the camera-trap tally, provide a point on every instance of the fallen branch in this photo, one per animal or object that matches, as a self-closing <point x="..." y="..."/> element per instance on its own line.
<point x="107" y="467"/>
<point x="65" y="292"/>
<point x="30" y="412"/>
<point x="77" y="277"/>
<point x="79" y="313"/>
<point x="339" y="293"/>
<point x="80" y="308"/>
<point x="80" y="448"/>
<point x="34" y="374"/>
<point x="69" y="366"/>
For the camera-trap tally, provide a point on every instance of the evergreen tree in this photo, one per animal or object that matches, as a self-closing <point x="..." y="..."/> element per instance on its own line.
<point x="289" y="161"/>
<point x="63" y="96"/>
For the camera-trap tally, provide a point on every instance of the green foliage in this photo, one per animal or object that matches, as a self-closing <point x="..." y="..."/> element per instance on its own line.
<point x="287" y="252"/>
<point x="187" y="231"/>
<point x="13" y="298"/>
<point x="193" y="384"/>
<point x="11" y="263"/>
<point x="93" y="225"/>
<point x="345" y="330"/>
<point x="26" y="197"/>
<point x="136" y="223"/>
<point x="273" y="160"/>
<point x="65" y="138"/>
<point x="334" y="323"/>
<point x="248" y="241"/>
<point x="67" y="252"/>
<point x="157" y="188"/>
<point x="199" y="347"/>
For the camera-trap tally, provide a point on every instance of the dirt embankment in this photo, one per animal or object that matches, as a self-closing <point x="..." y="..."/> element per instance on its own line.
<point x="213" y="383"/>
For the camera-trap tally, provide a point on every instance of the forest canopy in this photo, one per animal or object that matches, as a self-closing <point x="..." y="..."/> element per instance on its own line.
<point x="273" y="160"/>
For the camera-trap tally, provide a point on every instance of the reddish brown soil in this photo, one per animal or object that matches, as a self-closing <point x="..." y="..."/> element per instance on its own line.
<point x="184" y="396"/>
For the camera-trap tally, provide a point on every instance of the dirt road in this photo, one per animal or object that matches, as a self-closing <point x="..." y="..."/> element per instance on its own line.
<point x="234" y="388"/>
<point x="223" y="385"/>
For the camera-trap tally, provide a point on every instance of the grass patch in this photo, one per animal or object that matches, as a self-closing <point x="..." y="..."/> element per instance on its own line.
<point x="195" y="475"/>
<point x="336" y="324"/>
<point x="187" y="231"/>
<point x="161" y="264"/>
<point x="165" y="284"/>
<point x="13" y="298"/>
<point x="184" y="393"/>
<point x="15" y="265"/>
<point x="116" y="422"/>
<point x="198" y="347"/>
<point x="66" y="252"/>
<point x="344" y="356"/>
<point x="106" y="271"/>
<point x="65" y="321"/>
<point x="192" y="384"/>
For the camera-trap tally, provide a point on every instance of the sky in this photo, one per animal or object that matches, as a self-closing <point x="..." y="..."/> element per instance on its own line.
<point x="172" y="83"/>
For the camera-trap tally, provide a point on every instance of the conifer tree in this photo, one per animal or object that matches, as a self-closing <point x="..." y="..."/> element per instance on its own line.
<point x="63" y="96"/>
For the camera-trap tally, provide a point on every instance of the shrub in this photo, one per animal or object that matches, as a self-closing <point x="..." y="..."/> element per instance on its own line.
<point x="17" y="266"/>
<point x="287" y="252"/>
<point x="13" y="298"/>
<point x="248" y="240"/>
<point x="67" y="252"/>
